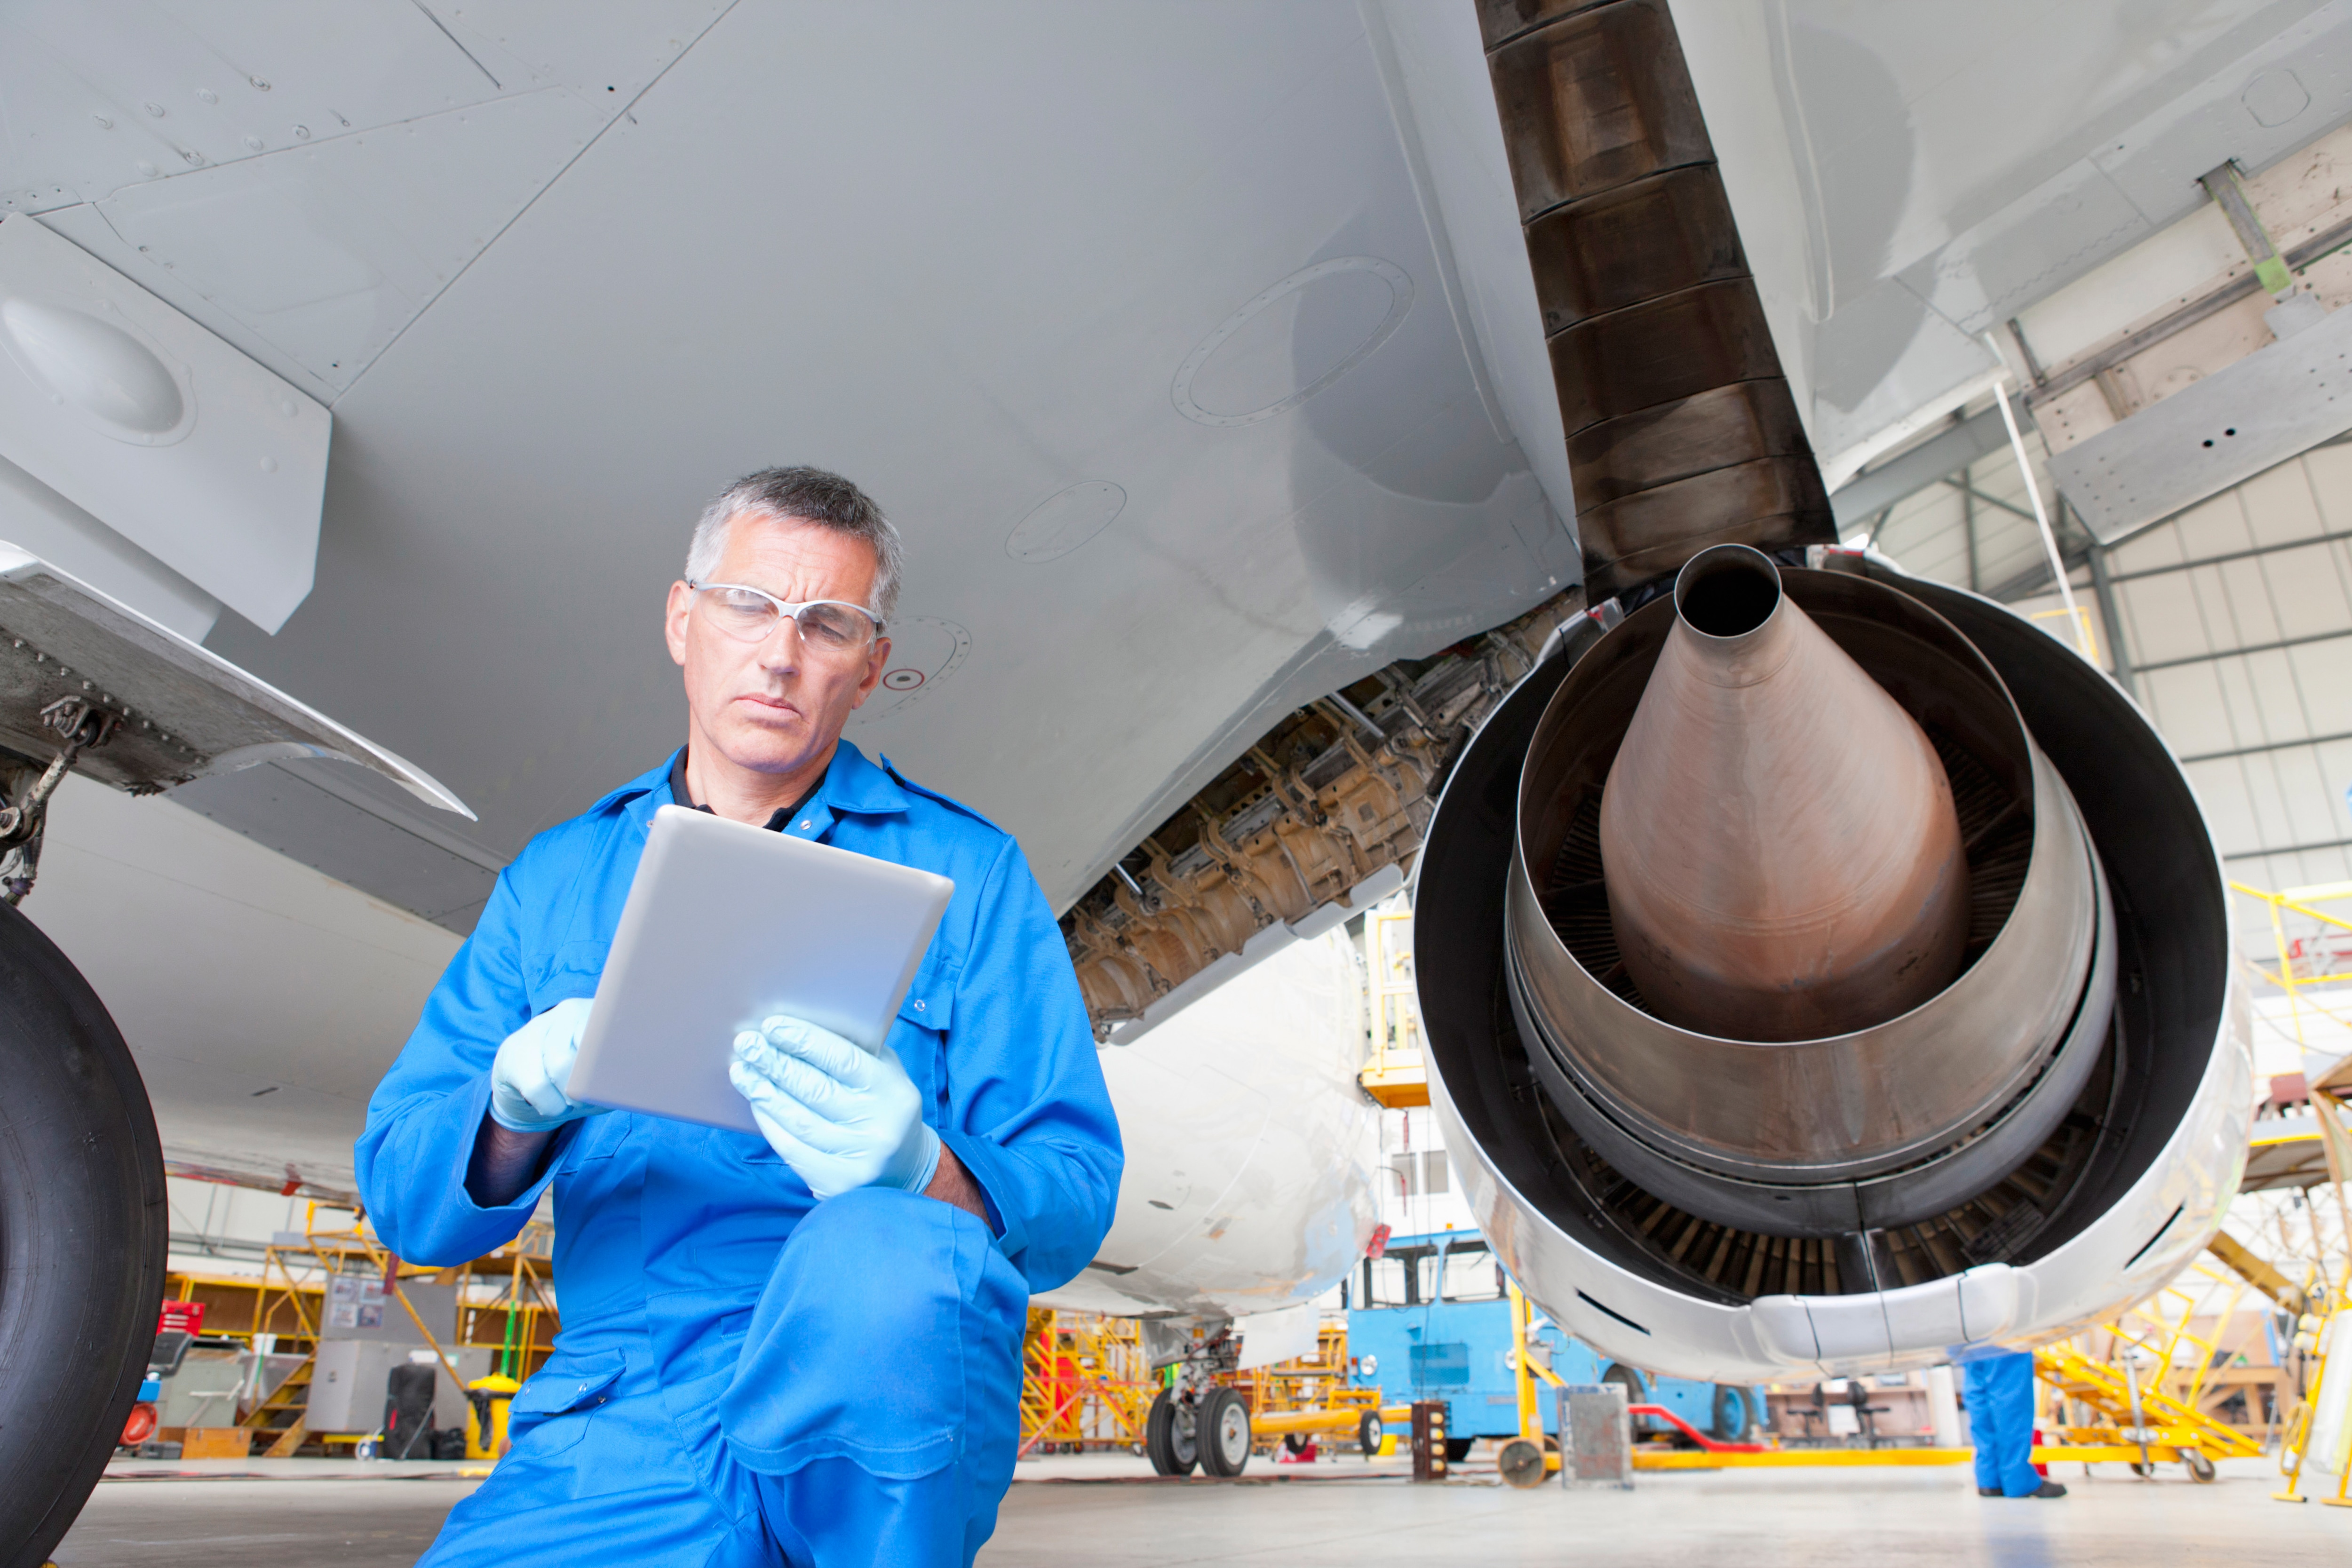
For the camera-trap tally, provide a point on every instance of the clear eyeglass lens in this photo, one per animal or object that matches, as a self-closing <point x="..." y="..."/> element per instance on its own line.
<point x="833" y="628"/>
<point x="824" y="628"/>
<point x="741" y="613"/>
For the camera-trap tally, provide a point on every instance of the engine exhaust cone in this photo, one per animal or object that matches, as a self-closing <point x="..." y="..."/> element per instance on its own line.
<point x="1778" y="838"/>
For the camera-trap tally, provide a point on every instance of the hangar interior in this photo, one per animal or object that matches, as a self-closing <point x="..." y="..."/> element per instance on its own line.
<point x="1668" y="668"/>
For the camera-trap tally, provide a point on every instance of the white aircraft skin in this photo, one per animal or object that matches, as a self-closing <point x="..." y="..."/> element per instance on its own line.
<point x="1246" y="1187"/>
<point x="1192" y="347"/>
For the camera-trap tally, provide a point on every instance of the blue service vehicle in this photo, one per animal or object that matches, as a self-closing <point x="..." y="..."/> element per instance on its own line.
<point x="1431" y="1319"/>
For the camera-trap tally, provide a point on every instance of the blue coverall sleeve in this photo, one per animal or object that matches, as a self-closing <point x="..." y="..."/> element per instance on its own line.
<point x="1028" y="1113"/>
<point x="424" y="1117"/>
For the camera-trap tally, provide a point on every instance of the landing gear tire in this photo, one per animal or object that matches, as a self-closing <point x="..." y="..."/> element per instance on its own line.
<point x="2200" y="1469"/>
<point x="1170" y="1436"/>
<point x="1224" y="1434"/>
<point x="1521" y="1463"/>
<point x="1459" y="1449"/>
<point x="1369" y="1432"/>
<point x="82" y="1239"/>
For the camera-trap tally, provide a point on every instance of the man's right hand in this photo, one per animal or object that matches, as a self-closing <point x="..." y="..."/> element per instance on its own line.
<point x="532" y="1071"/>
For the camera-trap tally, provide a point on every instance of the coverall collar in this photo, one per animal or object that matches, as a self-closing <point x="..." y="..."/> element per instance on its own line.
<point x="853" y="786"/>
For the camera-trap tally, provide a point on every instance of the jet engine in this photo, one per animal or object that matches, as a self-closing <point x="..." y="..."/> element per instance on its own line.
<point x="1824" y="968"/>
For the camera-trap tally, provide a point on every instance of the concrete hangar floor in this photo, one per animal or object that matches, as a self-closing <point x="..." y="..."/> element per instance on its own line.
<point x="1097" y="1512"/>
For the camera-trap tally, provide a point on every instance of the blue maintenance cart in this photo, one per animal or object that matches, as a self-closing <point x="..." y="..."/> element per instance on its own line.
<point x="1431" y="1319"/>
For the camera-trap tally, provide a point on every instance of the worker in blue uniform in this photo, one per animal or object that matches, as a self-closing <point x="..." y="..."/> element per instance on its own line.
<point x="802" y="1346"/>
<point x="2000" y="1393"/>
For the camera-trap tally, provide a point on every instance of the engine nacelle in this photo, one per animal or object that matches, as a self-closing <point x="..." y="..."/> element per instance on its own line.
<point x="2048" y="1137"/>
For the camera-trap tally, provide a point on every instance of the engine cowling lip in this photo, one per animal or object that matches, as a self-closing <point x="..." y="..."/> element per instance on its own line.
<point x="2044" y="949"/>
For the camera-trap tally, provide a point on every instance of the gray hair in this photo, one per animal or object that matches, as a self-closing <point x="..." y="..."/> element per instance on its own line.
<point x="804" y="495"/>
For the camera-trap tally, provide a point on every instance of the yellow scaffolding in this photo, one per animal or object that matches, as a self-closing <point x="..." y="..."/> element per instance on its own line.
<point x="2142" y="1420"/>
<point x="1397" y="1075"/>
<point x="2303" y="902"/>
<point x="2327" y="1289"/>
<point x="514" y="1323"/>
<point x="1086" y="1382"/>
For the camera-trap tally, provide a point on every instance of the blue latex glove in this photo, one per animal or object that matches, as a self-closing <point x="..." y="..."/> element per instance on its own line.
<point x="533" y="1069"/>
<point x="842" y="1117"/>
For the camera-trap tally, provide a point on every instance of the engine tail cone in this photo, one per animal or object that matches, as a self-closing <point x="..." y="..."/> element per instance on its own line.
<point x="1781" y="853"/>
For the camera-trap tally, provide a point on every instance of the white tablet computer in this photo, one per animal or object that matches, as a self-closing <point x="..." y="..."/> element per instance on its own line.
<point x="728" y="924"/>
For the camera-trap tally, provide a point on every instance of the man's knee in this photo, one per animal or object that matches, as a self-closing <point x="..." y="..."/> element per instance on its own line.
<point x="866" y="1342"/>
<point x="873" y="1264"/>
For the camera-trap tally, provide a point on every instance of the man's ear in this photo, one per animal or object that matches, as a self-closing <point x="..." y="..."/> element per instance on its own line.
<point x="876" y="663"/>
<point x="681" y="604"/>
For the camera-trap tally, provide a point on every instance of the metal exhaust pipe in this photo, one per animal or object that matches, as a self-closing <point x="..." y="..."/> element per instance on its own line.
<point x="1778" y="837"/>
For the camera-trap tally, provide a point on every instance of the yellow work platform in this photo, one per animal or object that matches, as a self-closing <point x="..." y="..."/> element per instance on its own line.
<point x="1396" y="1088"/>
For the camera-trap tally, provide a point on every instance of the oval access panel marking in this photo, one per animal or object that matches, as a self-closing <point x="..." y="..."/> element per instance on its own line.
<point x="924" y="651"/>
<point x="1400" y="301"/>
<point x="1063" y="521"/>
<point x="97" y="368"/>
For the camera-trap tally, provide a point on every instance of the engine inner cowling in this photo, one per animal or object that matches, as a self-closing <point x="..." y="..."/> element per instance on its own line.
<point x="1847" y="1132"/>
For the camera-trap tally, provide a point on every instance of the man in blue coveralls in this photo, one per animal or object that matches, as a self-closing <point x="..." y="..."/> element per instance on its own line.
<point x="2000" y="1392"/>
<point x="804" y="1346"/>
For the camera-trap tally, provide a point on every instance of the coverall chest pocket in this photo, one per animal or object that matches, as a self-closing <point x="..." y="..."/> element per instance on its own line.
<point x="919" y="1036"/>
<point x="552" y="1411"/>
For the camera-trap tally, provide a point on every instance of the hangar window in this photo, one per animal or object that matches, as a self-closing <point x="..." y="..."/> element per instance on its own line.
<point x="1402" y="1276"/>
<point x="1471" y="1274"/>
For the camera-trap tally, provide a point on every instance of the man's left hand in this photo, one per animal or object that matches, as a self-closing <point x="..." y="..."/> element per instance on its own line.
<point x="841" y="1116"/>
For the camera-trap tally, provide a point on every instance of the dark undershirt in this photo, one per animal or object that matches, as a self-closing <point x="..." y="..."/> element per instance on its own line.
<point x="778" y="820"/>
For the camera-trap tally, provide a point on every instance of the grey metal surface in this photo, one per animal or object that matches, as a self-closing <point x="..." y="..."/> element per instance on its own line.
<point x="496" y="538"/>
<point x="185" y="712"/>
<point x="1845" y="1106"/>
<point x="1906" y="177"/>
<point x="358" y="1307"/>
<point x="205" y="1388"/>
<point x="1596" y="1447"/>
<point x="375" y="846"/>
<point x="2277" y="402"/>
<point x="1866" y="495"/>
<point x="347" y="1386"/>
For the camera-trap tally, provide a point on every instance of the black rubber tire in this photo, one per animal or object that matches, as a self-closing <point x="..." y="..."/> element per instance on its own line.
<point x="1170" y="1451"/>
<point x="2200" y="1469"/>
<point x="82" y="1222"/>
<point x="1223" y="1434"/>
<point x="1733" y="1418"/>
<point x="1369" y="1430"/>
<point x="1459" y="1449"/>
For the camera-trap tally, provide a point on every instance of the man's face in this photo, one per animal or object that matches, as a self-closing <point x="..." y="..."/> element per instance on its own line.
<point x="773" y="706"/>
